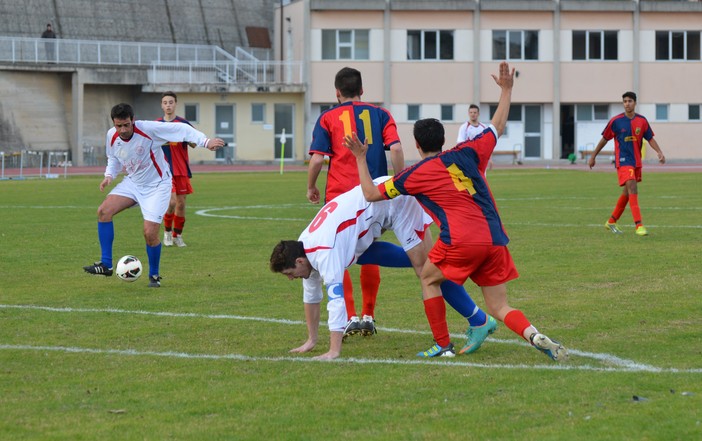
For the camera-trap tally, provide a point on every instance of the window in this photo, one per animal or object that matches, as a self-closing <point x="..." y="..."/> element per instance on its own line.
<point x="661" y="112"/>
<point x="430" y="45"/>
<point x="693" y="112"/>
<point x="258" y="112"/>
<point x="191" y="113"/>
<point x="515" y="45"/>
<point x="515" y="112"/>
<point x="447" y="112"/>
<point x="595" y="45"/>
<point x="677" y="45"/>
<point x="412" y="112"/>
<point x="349" y="44"/>
<point x="592" y="112"/>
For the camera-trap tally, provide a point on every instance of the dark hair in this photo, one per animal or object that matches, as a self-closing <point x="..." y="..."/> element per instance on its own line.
<point x="429" y="134"/>
<point x="474" y="106"/>
<point x="349" y="83"/>
<point x="122" y="111"/>
<point x="285" y="254"/>
<point x="631" y="95"/>
<point x="169" y="93"/>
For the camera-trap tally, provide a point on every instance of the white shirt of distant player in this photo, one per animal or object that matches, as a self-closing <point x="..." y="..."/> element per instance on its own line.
<point x="142" y="156"/>
<point x="468" y="131"/>
<point x="343" y="230"/>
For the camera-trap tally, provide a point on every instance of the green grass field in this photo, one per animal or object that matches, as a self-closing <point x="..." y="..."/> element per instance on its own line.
<point x="206" y="356"/>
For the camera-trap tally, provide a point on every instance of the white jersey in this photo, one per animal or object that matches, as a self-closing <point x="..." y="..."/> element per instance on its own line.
<point x="467" y="131"/>
<point x="142" y="157"/>
<point x="343" y="229"/>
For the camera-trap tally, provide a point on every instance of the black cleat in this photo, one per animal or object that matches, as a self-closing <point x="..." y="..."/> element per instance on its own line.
<point x="368" y="326"/>
<point x="154" y="281"/>
<point x="352" y="327"/>
<point x="98" y="269"/>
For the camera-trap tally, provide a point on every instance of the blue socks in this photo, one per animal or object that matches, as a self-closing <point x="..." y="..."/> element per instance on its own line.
<point x="385" y="254"/>
<point x="106" y="235"/>
<point x="154" y="254"/>
<point x="457" y="296"/>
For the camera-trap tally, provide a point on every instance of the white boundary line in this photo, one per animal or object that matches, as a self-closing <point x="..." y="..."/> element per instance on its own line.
<point x="622" y="365"/>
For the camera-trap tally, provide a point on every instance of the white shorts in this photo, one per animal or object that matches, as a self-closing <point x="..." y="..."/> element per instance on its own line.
<point x="153" y="200"/>
<point x="409" y="220"/>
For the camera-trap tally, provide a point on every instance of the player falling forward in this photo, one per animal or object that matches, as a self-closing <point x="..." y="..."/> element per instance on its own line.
<point x="342" y="233"/>
<point x="135" y="146"/>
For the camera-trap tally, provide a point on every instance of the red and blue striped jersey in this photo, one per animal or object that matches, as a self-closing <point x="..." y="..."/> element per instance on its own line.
<point x="371" y="123"/>
<point x="177" y="153"/>
<point x="452" y="187"/>
<point x="628" y="137"/>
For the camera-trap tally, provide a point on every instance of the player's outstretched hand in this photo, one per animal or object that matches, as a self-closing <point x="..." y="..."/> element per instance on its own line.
<point x="354" y="144"/>
<point x="215" y="143"/>
<point x="505" y="78"/>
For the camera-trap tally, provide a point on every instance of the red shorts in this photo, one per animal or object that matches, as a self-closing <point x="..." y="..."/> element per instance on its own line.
<point x="627" y="173"/>
<point x="181" y="185"/>
<point x="486" y="265"/>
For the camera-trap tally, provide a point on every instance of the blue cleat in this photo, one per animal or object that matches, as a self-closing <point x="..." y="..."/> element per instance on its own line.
<point x="477" y="334"/>
<point x="438" y="351"/>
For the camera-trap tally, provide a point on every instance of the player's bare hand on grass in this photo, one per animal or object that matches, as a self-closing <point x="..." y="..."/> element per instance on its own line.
<point x="353" y="143"/>
<point x="328" y="356"/>
<point x="306" y="347"/>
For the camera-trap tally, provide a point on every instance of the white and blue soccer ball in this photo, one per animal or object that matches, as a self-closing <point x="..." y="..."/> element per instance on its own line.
<point x="129" y="268"/>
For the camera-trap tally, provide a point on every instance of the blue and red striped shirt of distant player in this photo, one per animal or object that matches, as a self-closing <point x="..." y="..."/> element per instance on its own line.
<point x="371" y="123"/>
<point x="628" y="134"/>
<point x="177" y="153"/>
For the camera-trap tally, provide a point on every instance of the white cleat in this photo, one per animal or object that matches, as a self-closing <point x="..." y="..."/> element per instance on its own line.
<point x="178" y="241"/>
<point x="553" y="349"/>
<point x="167" y="239"/>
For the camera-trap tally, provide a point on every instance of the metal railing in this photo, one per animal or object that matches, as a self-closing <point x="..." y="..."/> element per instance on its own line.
<point x="113" y="53"/>
<point x="235" y="72"/>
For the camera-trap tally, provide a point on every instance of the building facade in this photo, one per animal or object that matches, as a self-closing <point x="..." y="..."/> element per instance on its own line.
<point x="574" y="60"/>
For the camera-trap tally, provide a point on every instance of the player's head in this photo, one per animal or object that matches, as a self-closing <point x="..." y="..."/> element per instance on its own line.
<point x="473" y="113"/>
<point x="429" y="135"/>
<point x="168" y="103"/>
<point x="289" y="258"/>
<point x="629" y="102"/>
<point x="348" y="83"/>
<point x="123" y="119"/>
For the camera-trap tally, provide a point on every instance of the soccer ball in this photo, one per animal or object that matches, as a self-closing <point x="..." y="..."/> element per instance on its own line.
<point x="129" y="268"/>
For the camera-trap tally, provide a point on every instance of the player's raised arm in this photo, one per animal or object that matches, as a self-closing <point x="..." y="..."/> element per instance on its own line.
<point x="370" y="191"/>
<point x="504" y="79"/>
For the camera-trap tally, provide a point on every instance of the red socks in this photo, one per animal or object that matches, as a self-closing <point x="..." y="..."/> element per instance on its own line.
<point x="635" y="211"/>
<point x="178" y="223"/>
<point x="619" y="208"/>
<point x="168" y="221"/>
<point x="370" y="282"/>
<point x="348" y="296"/>
<point x="517" y="322"/>
<point x="435" y="308"/>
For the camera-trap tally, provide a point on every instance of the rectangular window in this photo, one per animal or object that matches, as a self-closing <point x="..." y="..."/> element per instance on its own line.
<point x="412" y="112"/>
<point x="515" y="112"/>
<point x="515" y="45"/>
<point x="447" y="112"/>
<point x="678" y="45"/>
<point x="595" y="45"/>
<point x="661" y="112"/>
<point x="591" y="112"/>
<point x="429" y="45"/>
<point x="345" y="44"/>
<point x="693" y="112"/>
<point x="258" y="112"/>
<point x="191" y="113"/>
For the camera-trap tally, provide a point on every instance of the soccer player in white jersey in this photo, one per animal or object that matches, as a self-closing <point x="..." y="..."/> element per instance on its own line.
<point x="343" y="233"/>
<point x="472" y="128"/>
<point x="135" y="146"/>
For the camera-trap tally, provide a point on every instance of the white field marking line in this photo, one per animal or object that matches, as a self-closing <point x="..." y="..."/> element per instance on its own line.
<point x="606" y="358"/>
<point x="351" y="360"/>
<point x="548" y="225"/>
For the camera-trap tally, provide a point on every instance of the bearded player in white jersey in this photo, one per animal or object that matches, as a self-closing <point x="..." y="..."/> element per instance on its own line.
<point x="343" y="233"/>
<point x="135" y="146"/>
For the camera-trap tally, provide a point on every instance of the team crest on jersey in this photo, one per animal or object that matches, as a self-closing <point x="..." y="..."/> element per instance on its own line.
<point x="140" y="150"/>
